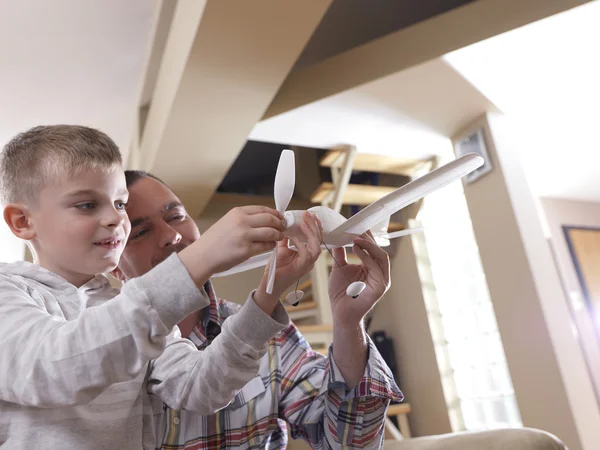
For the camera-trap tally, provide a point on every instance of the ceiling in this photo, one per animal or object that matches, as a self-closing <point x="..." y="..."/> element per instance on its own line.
<point x="222" y="77"/>
<point x="349" y="23"/>
<point x="409" y="114"/>
<point x="69" y="61"/>
<point x="208" y="75"/>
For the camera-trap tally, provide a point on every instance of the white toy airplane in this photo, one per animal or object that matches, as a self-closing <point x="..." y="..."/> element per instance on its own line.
<point x="339" y="232"/>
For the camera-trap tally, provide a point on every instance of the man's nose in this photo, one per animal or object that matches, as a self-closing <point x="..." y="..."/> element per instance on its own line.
<point x="169" y="236"/>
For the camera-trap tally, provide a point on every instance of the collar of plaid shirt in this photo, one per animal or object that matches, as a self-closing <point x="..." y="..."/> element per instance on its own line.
<point x="210" y="325"/>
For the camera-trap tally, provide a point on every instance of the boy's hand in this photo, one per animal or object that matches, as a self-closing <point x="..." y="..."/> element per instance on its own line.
<point x="242" y="233"/>
<point x="291" y="264"/>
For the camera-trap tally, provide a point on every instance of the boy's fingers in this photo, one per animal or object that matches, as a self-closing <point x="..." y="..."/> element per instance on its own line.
<point x="256" y="248"/>
<point x="264" y="220"/>
<point x="264" y="234"/>
<point x="260" y="209"/>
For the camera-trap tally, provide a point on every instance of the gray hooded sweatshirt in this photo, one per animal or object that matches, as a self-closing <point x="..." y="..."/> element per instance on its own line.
<point x="89" y="367"/>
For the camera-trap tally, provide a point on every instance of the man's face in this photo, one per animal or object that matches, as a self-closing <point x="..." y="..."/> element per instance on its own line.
<point x="160" y="226"/>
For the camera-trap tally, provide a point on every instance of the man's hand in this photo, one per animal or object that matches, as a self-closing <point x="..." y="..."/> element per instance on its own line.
<point x="242" y="233"/>
<point x="349" y="337"/>
<point x="374" y="271"/>
<point x="291" y="264"/>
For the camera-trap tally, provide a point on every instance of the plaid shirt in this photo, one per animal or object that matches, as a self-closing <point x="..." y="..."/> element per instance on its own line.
<point x="296" y="389"/>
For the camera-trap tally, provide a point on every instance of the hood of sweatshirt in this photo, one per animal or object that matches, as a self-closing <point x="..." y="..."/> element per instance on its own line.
<point x="29" y="272"/>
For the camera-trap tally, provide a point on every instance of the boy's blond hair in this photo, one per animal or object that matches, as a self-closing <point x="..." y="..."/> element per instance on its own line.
<point x="39" y="156"/>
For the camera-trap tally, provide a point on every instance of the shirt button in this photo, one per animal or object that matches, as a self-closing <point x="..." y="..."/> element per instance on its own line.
<point x="176" y="420"/>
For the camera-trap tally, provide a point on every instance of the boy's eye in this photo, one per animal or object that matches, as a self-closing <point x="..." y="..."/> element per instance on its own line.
<point x="85" y="206"/>
<point x="121" y="206"/>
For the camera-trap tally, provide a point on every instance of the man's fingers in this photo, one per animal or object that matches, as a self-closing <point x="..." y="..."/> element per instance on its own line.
<point x="368" y="235"/>
<point x="339" y="254"/>
<point x="367" y="260"/>
<point x="311" y="229"/>
<point x="302" y="250"/>
<point x="318" y="226"/>
<point x="377" y="254"/>
<point x="309" y="225"/>
<point x="283" y="250"/>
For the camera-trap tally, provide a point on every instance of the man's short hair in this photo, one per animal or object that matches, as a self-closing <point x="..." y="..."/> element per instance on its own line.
<point x="37" y="157"/>
<point x="133" y="176"/>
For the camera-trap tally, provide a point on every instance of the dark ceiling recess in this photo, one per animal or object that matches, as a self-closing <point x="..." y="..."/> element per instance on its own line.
<point x="253" y="172"/>
<point x="350" y="23"/>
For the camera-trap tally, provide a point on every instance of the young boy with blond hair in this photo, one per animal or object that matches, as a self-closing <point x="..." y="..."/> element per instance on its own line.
<point x="80" y="363"/>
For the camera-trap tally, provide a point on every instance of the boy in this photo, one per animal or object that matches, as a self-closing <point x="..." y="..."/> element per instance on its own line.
<point x="75" y="355"/>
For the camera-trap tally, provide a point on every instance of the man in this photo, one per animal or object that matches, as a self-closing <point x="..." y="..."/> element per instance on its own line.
<point x="331" y="402"/>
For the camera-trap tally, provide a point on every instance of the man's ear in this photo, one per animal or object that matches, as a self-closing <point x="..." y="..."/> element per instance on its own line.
<point x="17" y="218"/>
<point x="116" y="272"/>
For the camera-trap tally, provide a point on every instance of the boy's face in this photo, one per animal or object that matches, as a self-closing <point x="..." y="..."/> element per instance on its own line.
<point x="160" y="226"/>
<point x="80" y="224"/>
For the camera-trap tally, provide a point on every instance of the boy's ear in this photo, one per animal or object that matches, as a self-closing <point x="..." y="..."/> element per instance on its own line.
<point x="116" y="272"/>
<point x="17" y="218"/>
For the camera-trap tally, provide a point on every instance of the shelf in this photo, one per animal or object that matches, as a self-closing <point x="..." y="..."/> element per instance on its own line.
<point x="355" y="194"/>
<point x="373" y="163"/>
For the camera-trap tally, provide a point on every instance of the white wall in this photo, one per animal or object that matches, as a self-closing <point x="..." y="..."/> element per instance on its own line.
<point x="11" y="248"/>
<point x="402" y="314"/>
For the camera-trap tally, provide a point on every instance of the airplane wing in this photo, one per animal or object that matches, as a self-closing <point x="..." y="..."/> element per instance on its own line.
<point x="380" y="211"/>
<point x="251" y="263"/>
<point x="409" y="193"/>
<point x="263" y="259"/>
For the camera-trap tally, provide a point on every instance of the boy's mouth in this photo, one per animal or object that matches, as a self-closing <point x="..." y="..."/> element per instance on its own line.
<point x="109" y="243"/>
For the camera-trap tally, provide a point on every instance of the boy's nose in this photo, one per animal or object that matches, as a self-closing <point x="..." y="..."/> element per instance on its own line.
<point x="113" y="219"/>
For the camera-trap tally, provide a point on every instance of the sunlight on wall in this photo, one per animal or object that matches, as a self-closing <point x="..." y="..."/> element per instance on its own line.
<point x="471" y="359"/>
<point x="545" y="77"/>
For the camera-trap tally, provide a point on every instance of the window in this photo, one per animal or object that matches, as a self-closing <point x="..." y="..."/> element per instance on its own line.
<point x="469" y="351"/>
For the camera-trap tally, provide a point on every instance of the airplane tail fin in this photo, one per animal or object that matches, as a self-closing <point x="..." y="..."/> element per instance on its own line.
<point x="380" y="232"/>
